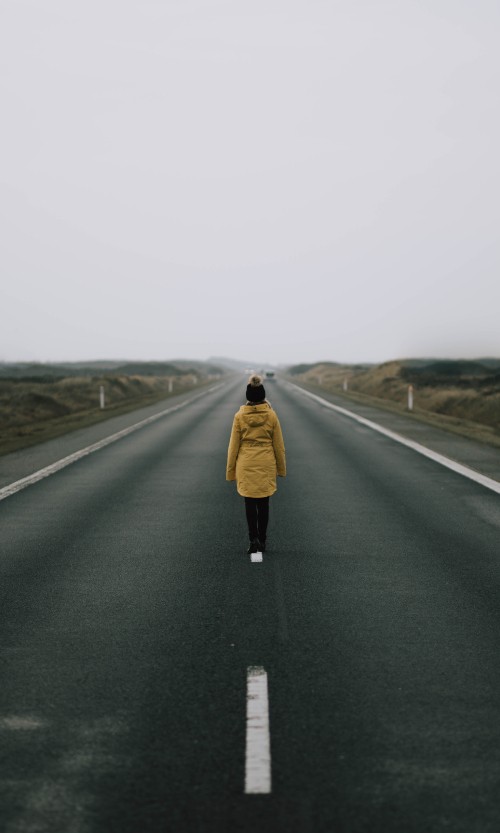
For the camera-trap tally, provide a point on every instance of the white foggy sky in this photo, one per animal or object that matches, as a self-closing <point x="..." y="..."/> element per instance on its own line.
<point x="281" y="180"/>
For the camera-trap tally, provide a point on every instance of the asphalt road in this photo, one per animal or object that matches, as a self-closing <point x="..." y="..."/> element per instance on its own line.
<point x="131" y="614"/>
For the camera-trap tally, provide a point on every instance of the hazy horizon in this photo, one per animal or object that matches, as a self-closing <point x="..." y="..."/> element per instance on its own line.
<point x="251" y="364"/>
<point x="291" y="180"/>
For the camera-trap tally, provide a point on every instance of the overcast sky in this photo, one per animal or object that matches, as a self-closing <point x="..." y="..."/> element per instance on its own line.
<point x="278" y="180"/>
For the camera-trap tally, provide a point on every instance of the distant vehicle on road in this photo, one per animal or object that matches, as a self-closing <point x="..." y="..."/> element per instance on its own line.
<point x="269" y="374"/>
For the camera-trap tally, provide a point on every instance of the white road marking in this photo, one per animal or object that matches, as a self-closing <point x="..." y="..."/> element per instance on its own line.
<point x="255" y="557"/>
<point x="258" y="742"/>
<point x="447" y="462"/>
<point x="7" y="491"/>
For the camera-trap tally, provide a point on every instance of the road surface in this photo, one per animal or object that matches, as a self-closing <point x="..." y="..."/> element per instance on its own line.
<point x="137" y="637"/>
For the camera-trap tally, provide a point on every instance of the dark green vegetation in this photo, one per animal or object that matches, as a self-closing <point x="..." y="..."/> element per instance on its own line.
<point x="42" y="401"/>
<point x="461" y="395"/>
<point x="50" y="371"/>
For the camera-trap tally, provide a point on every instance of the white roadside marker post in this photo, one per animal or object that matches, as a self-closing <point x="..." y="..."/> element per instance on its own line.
<point x="101" y="397"/>
<point x="170" y="385"/>
<point x="345" y="385"/>
<point x="410" y="397"/>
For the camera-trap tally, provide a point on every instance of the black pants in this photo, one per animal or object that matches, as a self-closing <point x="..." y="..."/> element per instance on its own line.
<point x="257" y="510"/>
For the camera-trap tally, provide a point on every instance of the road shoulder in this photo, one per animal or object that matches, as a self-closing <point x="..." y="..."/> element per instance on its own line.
<point x="26" y="461"/>
<point x="482" y="458"/>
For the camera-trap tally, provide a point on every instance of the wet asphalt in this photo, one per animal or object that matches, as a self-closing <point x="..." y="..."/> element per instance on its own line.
<point x="130" y="614"/>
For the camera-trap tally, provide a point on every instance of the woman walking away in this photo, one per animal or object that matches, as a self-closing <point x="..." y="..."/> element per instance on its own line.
<point x="256" y="454"/>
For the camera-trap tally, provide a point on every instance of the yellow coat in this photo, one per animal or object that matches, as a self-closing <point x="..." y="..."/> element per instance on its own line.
<point x="256" y="452"/>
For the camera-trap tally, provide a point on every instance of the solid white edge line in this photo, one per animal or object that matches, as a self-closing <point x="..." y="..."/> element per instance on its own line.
<point x="12" y="488"/>
<point x="258" y="742"/>
<point x="458" y="468"/>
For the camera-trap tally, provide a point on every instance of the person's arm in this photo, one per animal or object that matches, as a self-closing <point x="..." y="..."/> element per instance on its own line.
<point x="232" y="452"/>
<point x="279" y="449"/>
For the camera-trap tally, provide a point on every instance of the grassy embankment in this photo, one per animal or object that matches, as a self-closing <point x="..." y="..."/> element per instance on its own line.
<point x="459" y="396"/>
<point x="40" y="402"/>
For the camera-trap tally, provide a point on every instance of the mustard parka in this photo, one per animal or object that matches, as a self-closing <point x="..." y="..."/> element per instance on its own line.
<point x="256" y="452"/>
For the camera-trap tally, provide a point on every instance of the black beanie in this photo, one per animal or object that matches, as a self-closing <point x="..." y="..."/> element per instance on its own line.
<point x="255" y="389"/>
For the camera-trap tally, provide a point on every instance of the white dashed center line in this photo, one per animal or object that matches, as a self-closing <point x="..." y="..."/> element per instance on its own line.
<point x="258" y="742"/>
<point x="255" y="557"/>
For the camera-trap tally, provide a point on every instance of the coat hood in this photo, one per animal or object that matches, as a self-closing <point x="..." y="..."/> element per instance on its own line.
<point x="255" y="415"/>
